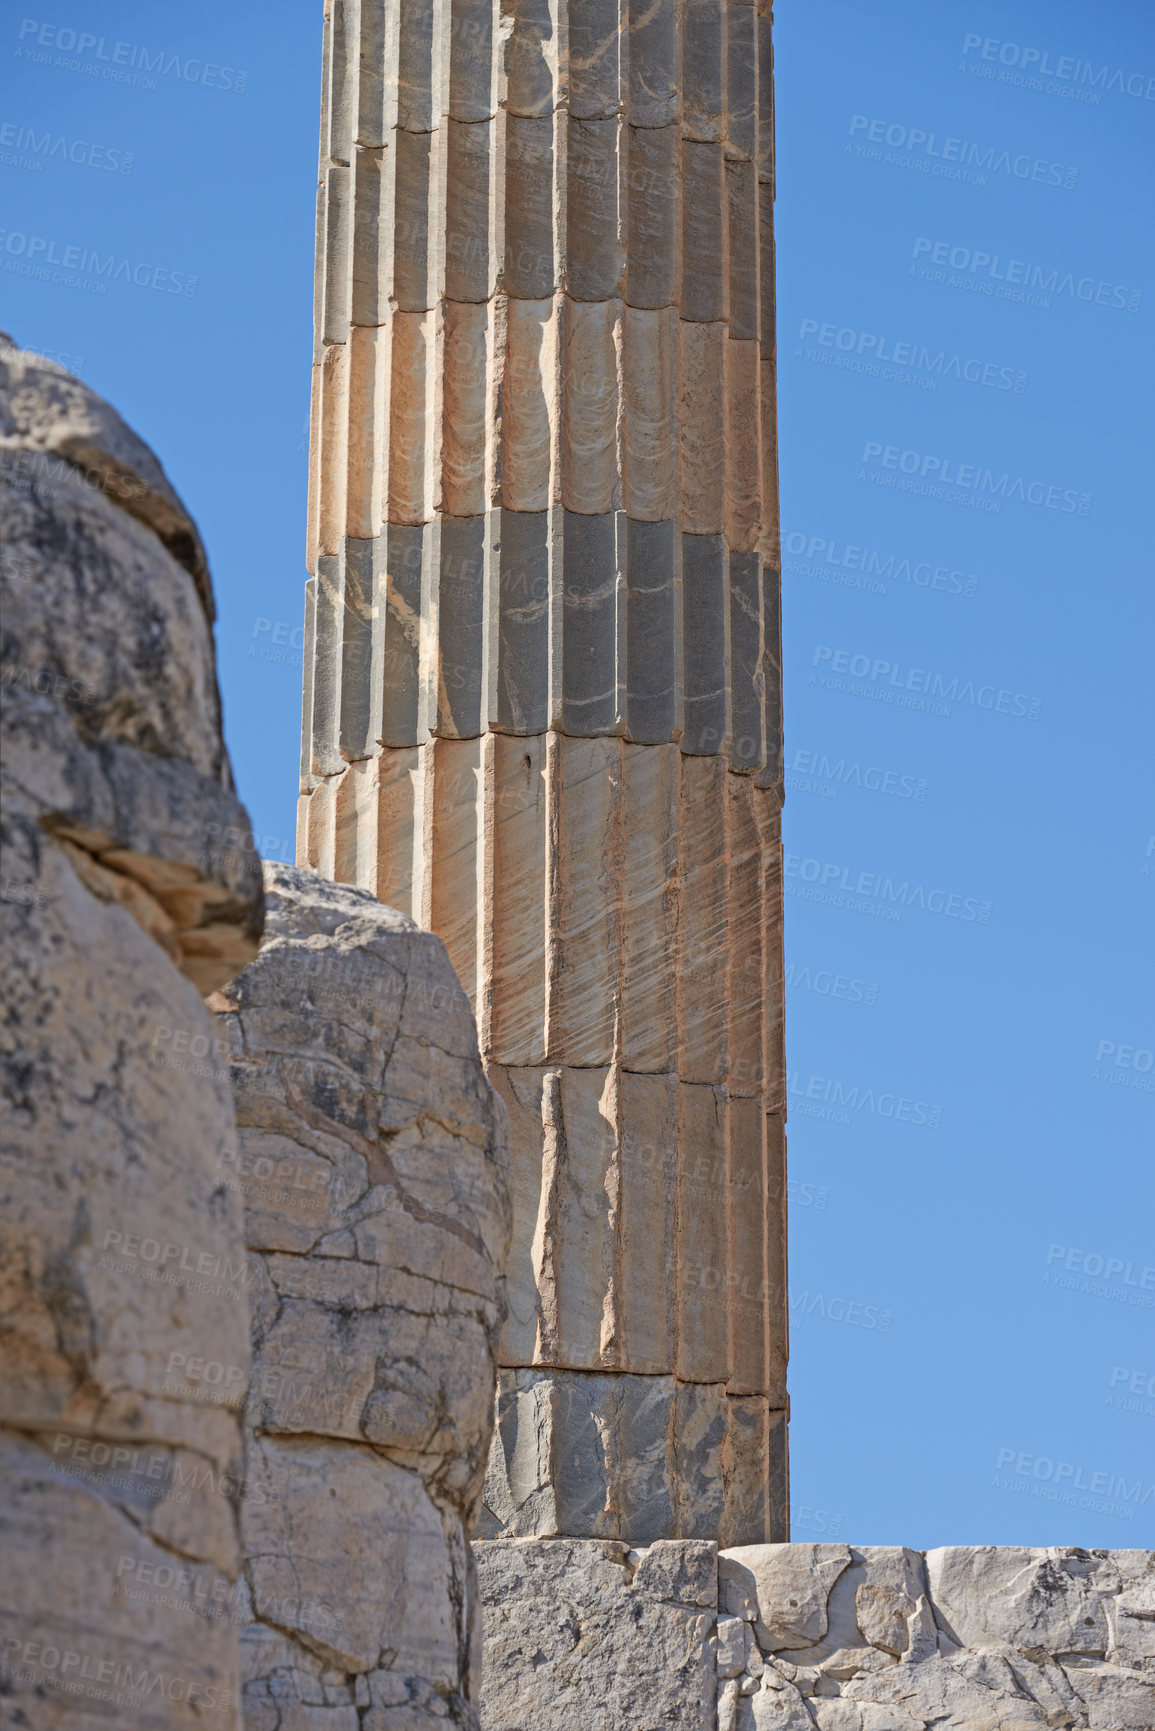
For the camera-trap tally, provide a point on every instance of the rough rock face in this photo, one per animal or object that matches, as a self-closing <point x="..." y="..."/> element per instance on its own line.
<point x="542" y="694"/>
<point x="373" y="1165"/>
<point x="816" y="1638"/>
<point x="121" y="1253"/>
<point x="112" y="729"/>
<point x="586" y="1632"/>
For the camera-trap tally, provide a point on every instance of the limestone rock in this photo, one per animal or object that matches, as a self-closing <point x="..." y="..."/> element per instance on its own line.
<point x="782" y="1589"/>
<point x="112" y="733"/>
<point x="873" y="1659"/>
<point x="124" y="1351"/>
<point x="1054" y="1599"/>
<point x="372" y="1163"/>
<point x="637" y="1457"/>
<point x="46" y="413"/>
<point x="576" y="1634"/>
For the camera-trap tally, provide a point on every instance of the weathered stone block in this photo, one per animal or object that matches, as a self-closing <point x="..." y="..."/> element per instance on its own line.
<point x="461" y="620"/>
<point x="701" y="389"/>
<point x="649" y="903"/>
<point x="650" y="420"/>
<point x="524" y="553"/>
<point x="520" y="826"/>
<point x="593" y="1454"/>
<point x="653" y="90"/>
<point x="471" y="170"/>
<point x="704" y="277"/>
<point x="651" y="195"/>
<point x="530" y="270"/>
<point x="127" y="857"/>
<point x="595" y="256"/>
<point x="591" y="405"/>
<point x="530" y="64"/>
<point x="632" y="1646"/>
<point x="589" y="624"/>
<point x="583" y="961"/>
<point x="529" y="403"/>
<point x="373" y="1165"/>
<point x="468" y="336"/>
<point x="596" y="53"/>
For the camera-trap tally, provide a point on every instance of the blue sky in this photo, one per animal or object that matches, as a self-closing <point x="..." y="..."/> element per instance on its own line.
<point x="965" y="309"/>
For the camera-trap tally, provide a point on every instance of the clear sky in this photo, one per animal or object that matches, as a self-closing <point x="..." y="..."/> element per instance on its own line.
<point x="966" y="292"/>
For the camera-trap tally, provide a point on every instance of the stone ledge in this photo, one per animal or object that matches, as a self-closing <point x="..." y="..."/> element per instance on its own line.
<point x="815" y="1637"/>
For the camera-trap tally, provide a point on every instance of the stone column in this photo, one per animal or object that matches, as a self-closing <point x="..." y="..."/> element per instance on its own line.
<point x="542" y="691"/>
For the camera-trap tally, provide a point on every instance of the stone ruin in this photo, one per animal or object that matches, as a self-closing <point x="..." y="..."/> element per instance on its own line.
<point x="454" y="1205"/>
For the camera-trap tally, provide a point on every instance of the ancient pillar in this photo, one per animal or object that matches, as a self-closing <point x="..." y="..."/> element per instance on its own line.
<point x="542" y="695"/>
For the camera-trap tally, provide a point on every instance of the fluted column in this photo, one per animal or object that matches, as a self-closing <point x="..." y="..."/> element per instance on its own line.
<point x="542" y="692"/>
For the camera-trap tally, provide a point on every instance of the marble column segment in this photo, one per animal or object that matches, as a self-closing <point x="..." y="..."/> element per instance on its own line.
<point x="542" y="704"/>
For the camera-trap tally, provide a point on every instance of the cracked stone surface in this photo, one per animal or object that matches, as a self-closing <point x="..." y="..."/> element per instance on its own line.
<point x="816" y="1637"/>
<point x="589" y="1632"/>
<point x="121" y="1250"/>
<point x="373" y="1166"/>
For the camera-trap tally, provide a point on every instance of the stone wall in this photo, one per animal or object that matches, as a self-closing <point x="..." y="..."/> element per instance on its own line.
<point x="373" y="1165"/>
<point x="121" y="1252"/>
<point x="815" y="1638"/>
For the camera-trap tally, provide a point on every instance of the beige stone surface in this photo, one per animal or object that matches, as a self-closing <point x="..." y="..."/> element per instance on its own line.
<point x="810" y="1637"/>
<point x="619" y="1455"/>
<point x="372" y="1164"/>
<point x="594" y="1634"/>
<point x="130" y="882"/>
